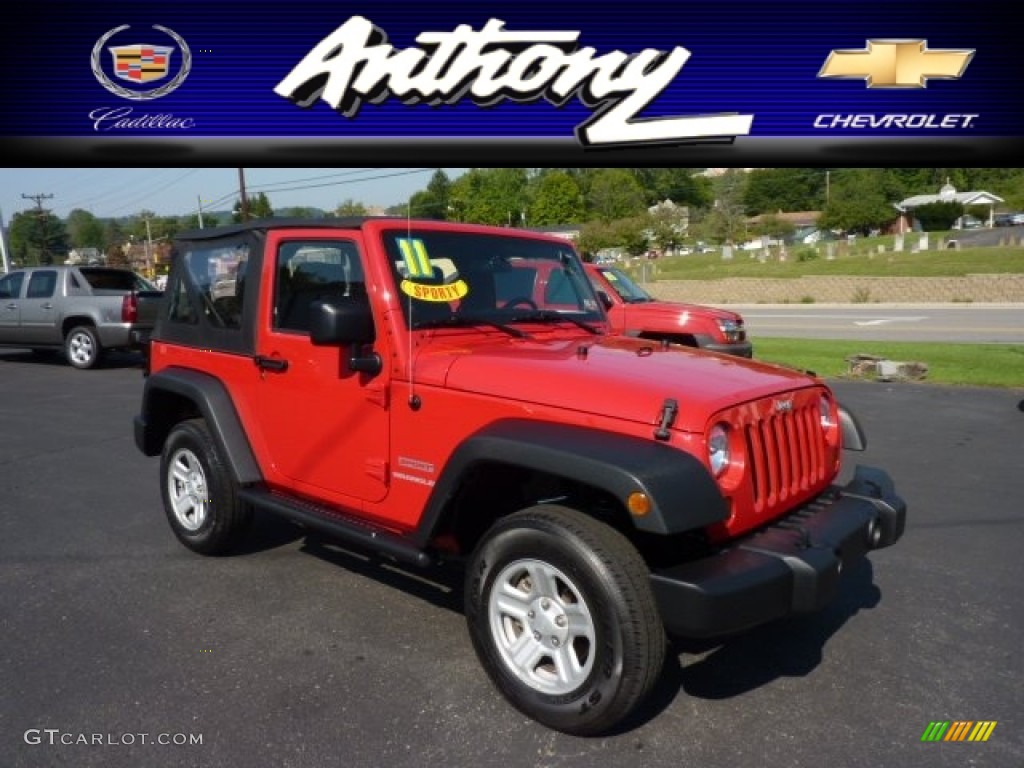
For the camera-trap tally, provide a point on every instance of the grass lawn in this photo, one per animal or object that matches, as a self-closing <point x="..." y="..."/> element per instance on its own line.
<point x="986" y="365"/>
<point x="859" y="262"/>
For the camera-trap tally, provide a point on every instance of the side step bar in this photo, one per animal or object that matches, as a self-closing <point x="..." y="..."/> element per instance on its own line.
<point x="337" y="525"/>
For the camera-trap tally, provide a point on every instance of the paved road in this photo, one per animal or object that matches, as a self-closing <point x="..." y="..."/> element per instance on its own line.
<point x="298" y="653"/>
<point x="983" y="323"/>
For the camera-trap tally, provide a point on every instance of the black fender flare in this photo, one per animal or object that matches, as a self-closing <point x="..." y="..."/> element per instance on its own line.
<point x="214" y="403"/>
<point x="682" y="493"/>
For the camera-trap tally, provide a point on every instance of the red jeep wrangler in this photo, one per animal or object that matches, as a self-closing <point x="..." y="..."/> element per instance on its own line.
<point x="632" y="311"/>
<point x="440" y="392"/>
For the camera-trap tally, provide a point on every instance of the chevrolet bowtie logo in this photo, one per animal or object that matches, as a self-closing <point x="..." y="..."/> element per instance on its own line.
<point x="897" y="64"/>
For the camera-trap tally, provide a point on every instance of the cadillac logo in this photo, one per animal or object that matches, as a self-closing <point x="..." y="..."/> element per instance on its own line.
<point x="141" y="63"/>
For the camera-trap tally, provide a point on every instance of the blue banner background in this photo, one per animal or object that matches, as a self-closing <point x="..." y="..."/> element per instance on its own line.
<point x="759" y="58"/>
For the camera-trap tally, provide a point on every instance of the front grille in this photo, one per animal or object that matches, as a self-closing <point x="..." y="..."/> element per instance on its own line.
<point x="787" y="456"/>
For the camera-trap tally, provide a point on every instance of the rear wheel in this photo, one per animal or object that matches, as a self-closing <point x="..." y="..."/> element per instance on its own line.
<point x="199" y="494"/>
<point x="82" y="347"/>
<point x="562" y="617"/>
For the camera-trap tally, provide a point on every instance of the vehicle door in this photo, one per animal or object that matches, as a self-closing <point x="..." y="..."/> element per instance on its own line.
<point x="324" y="427"/>
<point x="10" y="306"/>
<point x="38" y="308"/>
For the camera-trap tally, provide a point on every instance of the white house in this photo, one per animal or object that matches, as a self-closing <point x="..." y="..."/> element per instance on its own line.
<point x="948" y="193"/>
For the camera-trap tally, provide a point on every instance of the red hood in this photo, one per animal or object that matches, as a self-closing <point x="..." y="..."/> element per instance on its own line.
<point x="673" y="314"/>
<point x="626" y="378"/>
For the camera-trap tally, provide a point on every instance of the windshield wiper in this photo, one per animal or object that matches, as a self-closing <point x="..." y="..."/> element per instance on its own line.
<point x="457" y="321"/>
<point x="551" y="316"/>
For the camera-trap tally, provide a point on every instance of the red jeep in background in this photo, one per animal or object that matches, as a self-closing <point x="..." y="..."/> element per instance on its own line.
<point x="632" y="311"/>
<point x="439" y="392"/>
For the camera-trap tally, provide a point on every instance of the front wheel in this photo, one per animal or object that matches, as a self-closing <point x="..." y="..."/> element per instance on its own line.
<point x="562" y="617"/>
<point x="199" y="493"/>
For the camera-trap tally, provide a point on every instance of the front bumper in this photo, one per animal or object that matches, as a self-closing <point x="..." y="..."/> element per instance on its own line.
<point x="791" y="567"/>
<point x="738" y="348"/>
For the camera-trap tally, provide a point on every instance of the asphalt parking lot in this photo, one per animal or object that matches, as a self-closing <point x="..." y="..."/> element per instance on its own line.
<point x="295" y="652"/>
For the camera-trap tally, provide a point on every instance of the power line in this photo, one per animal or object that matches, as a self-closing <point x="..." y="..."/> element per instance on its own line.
<point x="351" y="172"/>
<point x="410" y="172"/>
<point x="123" y="189"/>
<point x="157" y="191"/>
<point x="128" y="190"/>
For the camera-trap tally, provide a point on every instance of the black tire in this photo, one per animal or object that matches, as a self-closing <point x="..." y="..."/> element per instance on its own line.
<point x="218" y="518"/>
<point x="596" y="566"/>
<point x="82" y="347"/>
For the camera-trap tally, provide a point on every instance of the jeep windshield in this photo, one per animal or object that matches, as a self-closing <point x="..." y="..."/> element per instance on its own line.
<point x="622" y="284"/>
<point x="450" y="279"/>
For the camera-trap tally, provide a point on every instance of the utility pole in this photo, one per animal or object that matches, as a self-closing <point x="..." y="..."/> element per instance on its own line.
<point x="200" y="199"/>
<point x="44" y="251"/>
<point x="39" y="200"/>
<point x="241" y="190"/>
<point x="149" y="246"/>
<point x="4" y="259"/>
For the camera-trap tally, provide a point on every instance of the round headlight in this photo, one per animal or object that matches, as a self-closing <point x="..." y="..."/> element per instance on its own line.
<point x="825" y="411"/>
<point x="718" y="449"/>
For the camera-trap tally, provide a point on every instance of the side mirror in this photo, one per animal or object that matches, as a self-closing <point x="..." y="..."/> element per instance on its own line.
<point x="346" y="321"/>
<point x="606" y="300"/>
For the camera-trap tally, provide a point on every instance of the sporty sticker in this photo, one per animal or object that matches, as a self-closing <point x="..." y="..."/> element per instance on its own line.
<point x="423" y="281"/>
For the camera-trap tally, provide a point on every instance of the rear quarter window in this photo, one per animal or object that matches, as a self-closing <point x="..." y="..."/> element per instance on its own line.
<point x="113" y="280"/>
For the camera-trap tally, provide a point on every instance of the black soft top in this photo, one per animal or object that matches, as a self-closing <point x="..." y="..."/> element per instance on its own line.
<point x="261" y="225"/>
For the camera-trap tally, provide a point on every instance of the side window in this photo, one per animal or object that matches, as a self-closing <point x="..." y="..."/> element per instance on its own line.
<point x="218" y="274"/>
<point x="42" y="284"/>
<point x="560" y="290"/>
<point x="10" y="285"/>
<point x="179" y="308"/>
<point x="310" y="270"/>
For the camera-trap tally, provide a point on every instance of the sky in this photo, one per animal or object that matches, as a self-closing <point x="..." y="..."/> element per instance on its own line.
<point x="112" y="192"/>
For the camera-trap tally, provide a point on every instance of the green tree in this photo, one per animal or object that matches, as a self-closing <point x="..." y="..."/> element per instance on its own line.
<point x="350" y="207"/>
<point x="940" y="216"/>
<point x="259" y="208"/>
<point x="113" y="235"/>
<point x="785" y="189"/>
<point x="633" y="234"/>
<point x="490" y="196"/>
<point x="191" y="221"/>
<point x="596" y="236"/>
<point x="775" y="227"/>
<point x="555" y="198"/>
<point x="136" y="225"/>
<point x="37" y="236"/>
<point x="858" y="203"/>
<point x="668" y="226"/>
<point x="615" y="194"/>
<point x="726" y="221"/>
<point x="434" y="202"/>
<point x="680" y="185"/>
<point x="84" y="230"/>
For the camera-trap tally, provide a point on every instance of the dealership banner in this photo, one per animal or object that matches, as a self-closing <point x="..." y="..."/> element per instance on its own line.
<point x="719" y="81"/>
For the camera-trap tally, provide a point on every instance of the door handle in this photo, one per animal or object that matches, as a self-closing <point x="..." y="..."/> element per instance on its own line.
<point x="270" y="363"/>
<point x="12" y="306"/>
<point x="47" y="306"/>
